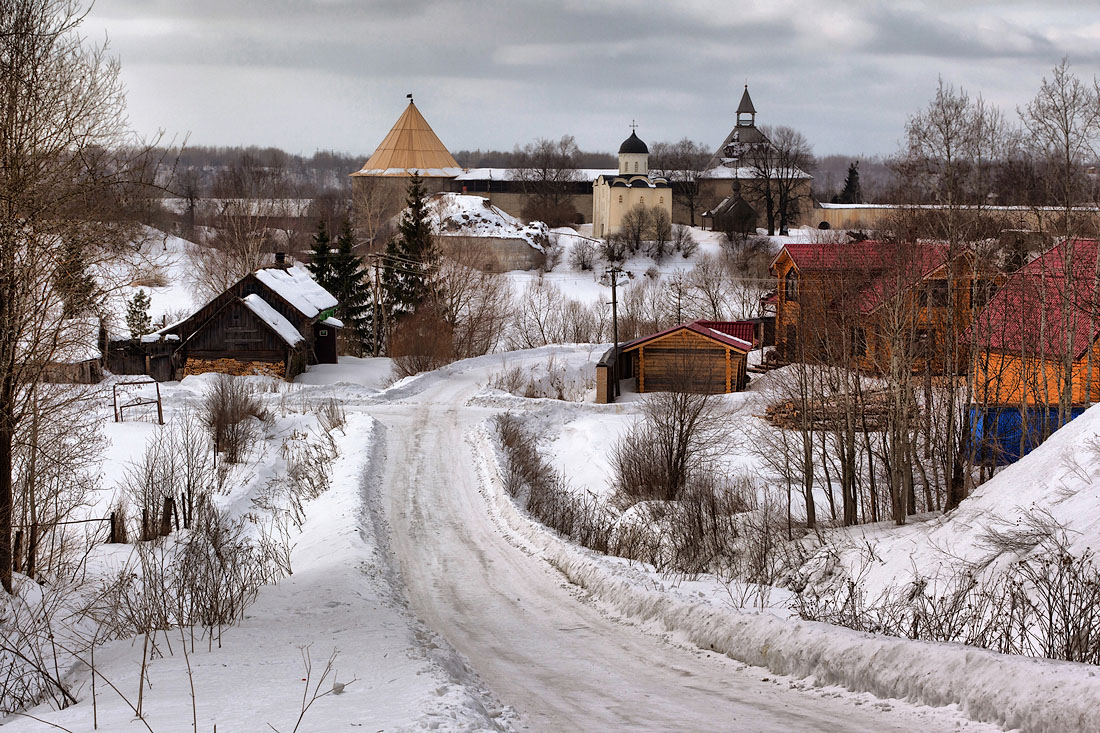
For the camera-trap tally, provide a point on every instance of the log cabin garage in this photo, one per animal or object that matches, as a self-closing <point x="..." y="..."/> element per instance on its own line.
<point x="700" y="356"/>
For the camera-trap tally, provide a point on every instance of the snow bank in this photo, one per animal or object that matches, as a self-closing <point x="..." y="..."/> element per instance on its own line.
<point x="461" y="215"/>
<point x="1057" y="481"/>
<point x="1016" y="692"/>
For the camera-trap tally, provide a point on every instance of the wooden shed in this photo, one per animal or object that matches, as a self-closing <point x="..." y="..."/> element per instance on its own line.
<point x="700" y="356"/>
<point x="275" y="321"/>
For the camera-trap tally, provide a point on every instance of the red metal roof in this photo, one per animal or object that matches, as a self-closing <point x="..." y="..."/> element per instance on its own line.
<point x="885" y="268"/>
<point x="1047" y="307"/>
<point x="724" y="332"/>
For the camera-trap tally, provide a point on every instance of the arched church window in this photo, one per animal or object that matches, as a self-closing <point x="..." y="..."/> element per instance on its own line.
<point x="635" y="166"/>
<point x="620" y="198"/>
<point x="662" y="200"/>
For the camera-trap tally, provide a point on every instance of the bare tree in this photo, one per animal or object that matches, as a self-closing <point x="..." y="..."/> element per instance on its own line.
<point x="683" y="163"/>
<point x="780" y="175"/>
<point x="635" y="227"/>
<point x="68" y="172"/>
<point x="547" y="172"/>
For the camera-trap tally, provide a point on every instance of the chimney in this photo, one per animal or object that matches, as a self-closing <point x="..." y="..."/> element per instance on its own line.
<point x="280" y="261"/>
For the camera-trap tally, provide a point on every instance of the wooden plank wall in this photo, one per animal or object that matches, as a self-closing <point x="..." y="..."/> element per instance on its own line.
<point x="685" y="359"/>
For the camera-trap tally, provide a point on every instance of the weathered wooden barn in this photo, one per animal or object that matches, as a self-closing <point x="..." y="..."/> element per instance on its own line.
<point x="700" y="356"/>
<point x="275" y="321"/>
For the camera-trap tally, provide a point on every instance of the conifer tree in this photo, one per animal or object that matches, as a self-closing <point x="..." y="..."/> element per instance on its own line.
<point x="137" y="315"/>
<point x="851" y="193"/>
<point x="411" y="258"/>
<point x="320" y="263"/>
<point x="351" y="286"/>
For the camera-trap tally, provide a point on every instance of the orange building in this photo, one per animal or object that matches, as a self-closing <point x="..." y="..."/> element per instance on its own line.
<point x="859" y="302"/>
<point x="1037" y="338"/>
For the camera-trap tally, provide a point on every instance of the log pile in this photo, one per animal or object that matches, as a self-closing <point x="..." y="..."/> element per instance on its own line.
<point x="871" y="412"/>
<point x="235" y="368"/>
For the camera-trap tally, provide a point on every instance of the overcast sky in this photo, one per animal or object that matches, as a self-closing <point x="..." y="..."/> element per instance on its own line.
<point x="332" y="74"/>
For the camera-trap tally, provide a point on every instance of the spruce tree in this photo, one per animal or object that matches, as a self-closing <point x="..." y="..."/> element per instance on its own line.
<point x="851" y="193"/>
<point x="410" y="258"/>
<point x="351" y="286"/>
<point x="137" y="315"/>
<point x="320" y="264"/>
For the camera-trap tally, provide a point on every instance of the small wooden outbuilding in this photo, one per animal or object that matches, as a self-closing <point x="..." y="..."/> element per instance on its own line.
<point x="700" y="356"/>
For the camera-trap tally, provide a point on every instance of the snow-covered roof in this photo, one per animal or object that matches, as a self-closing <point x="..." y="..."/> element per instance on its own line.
<point x="744" y="172"/>
<point x="333" y="321"/>
<point x="297" y="287"/>
<point x="510" y="174"/>
<point x="286" y="331"/>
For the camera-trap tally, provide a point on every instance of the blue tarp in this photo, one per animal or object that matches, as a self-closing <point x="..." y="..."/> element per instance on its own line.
<point x="996" y="431"/>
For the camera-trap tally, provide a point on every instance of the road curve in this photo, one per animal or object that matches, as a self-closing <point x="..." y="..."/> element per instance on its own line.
<point x="530" y="635"/>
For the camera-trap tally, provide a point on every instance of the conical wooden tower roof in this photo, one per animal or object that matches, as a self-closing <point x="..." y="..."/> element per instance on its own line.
<point x="411" y="146"/>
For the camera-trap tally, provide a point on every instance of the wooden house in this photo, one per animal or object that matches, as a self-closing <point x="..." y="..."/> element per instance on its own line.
<point x="700" y="356"/>
<point x="1037" y="338"/>
<point x="857" y="302"/>
<point x="275" y="321"/>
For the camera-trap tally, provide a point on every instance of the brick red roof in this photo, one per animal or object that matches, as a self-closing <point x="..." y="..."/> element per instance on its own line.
<point x="1046" y="307"/>
<point x="728" y="333"/>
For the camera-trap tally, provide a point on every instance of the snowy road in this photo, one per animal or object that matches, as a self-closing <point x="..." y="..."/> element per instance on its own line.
<point x="560" y="661"/>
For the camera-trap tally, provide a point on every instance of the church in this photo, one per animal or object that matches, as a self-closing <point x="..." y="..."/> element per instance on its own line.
<point x="598" y="196"/>
<point x="615" y="194"/>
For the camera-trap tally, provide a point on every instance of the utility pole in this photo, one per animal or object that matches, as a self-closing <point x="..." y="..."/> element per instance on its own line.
<point x="377" y="292"/>
<point x="614" y="273"/>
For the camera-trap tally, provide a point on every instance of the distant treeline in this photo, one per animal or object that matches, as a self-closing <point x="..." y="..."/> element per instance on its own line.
<point x="216" y="170"/>
<point x="513" y="159"/>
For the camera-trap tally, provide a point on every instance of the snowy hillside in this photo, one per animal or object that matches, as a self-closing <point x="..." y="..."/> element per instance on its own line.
<point x="457" y="215"/>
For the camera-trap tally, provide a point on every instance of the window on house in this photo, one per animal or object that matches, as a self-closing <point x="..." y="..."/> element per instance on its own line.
<point x="922" y="343"/>
<point x="859" y="341"/>
<point x="324" y="332"/>
<point x="935" y="294"/>
<point x="792" y="285"/>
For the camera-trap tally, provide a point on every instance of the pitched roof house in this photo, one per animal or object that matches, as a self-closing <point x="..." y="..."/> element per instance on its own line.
<point x="857" y="301"/>
<point x="699" y="356"/>
<point x="274" y="321"/>
<point x="1038" y="336"/>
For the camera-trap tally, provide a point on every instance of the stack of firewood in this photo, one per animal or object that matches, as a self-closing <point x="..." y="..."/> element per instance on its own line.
<point x="870" y="412"/>
<point x="235" y="368"/>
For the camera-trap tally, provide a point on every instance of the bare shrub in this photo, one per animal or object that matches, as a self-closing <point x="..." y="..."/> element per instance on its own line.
<point x="30" y="661"/>
<point x="233" y="414"/>
<point x="683" y="241"/>
<point x="554" y="251"/>
<point x="676" y="439"/>
<point x="1045" y="604"/>
<point x="615" y="247"/>
<point x="421" y="342"/>
<point x="331" y="415"/>
<point x="546" y="495"/>
<point x="544" y="315"/>
<point x="583" y="255"/>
